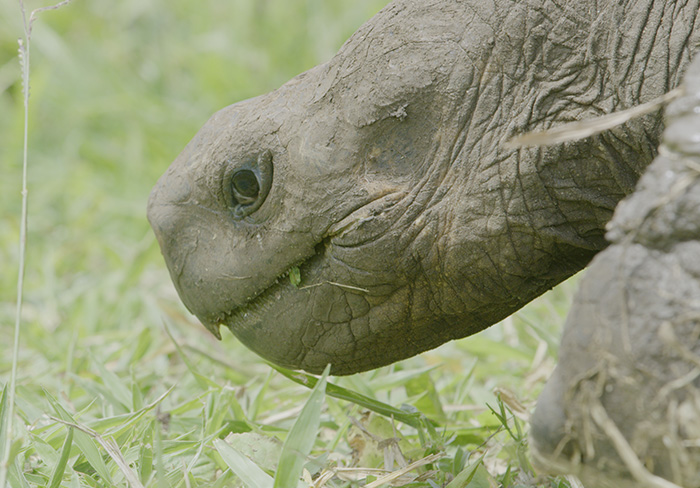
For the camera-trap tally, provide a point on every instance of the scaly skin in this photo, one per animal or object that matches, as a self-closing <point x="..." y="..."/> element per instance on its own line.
<point x="630" y="351"/>
<point x="391" y="188"/>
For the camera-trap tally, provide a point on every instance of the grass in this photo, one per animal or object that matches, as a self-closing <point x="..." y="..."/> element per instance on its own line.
<point x="116" y="384"/>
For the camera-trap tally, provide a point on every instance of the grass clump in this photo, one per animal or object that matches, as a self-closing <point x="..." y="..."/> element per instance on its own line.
<point x="107" y="395"/>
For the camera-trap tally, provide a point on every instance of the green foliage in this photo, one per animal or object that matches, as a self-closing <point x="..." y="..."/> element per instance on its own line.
<point x="301" y="437"/>
<point x="246" y="469"/>
<point x="117" y="382"/>
<point x="295" y="276"/>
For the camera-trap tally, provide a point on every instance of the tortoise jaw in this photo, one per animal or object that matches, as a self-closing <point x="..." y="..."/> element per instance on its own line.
<point x="292" y="277"/>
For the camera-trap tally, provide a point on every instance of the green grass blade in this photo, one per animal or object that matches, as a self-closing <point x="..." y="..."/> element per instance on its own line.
<point x="301" y="437"/>
<point x="4" y="418"/>
<point x="203" y="382"/>
<point x="129" y="421"/>
<point x="114" y="384"/>
<point x="92" y="454"/>
<point x="258" y="399"/>
<point x="463" y="479"/>
<point x="60" y="468"/>
<point x="16" y="476"/>
<point x="158" y="448"/>
<point x="84" y="442"/>
<point x="249" y="472"/>
<point x="146" y="455"/>
<point x="414" y="419"/>
<point x="9" y="448"/>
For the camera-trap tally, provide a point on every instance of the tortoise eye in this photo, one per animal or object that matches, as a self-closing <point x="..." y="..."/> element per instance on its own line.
<point x="245" y="187"/>
<point x="246" y="184"/>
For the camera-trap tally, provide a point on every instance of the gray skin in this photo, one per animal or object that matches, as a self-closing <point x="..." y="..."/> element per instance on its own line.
<point x="383" y="175"/>
<point x="630" y="351"/>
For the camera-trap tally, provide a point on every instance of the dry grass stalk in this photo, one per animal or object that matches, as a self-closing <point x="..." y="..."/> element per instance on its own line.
<point x="586" y="128"/>
<point x="625" y="451"/>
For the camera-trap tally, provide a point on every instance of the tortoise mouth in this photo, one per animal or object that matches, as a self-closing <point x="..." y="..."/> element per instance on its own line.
<point x="292" y="281"/>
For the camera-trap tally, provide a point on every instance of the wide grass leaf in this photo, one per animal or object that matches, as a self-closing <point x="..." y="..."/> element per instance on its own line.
<point x="301" y="437"/>
<point x="264" y="450"/>
<point x="249" y="472"/>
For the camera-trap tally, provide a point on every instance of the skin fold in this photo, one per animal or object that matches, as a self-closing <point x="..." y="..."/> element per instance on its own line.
<point x="383" y="181"/>
<point x="630" y="355"/>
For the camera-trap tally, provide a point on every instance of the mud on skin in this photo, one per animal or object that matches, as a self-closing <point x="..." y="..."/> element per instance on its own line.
<point x="383" y="177"/>
<point x="630" y="355"/>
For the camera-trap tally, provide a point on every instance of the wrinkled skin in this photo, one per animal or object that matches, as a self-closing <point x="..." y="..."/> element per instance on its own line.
<point x="631" y="349"/>
<point x="383" y="176"/>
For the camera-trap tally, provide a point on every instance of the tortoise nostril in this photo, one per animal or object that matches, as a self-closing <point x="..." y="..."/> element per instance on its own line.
<point x="168" y="219"/>
<point x="171" y="191"/>
<point x="173" y="187"/>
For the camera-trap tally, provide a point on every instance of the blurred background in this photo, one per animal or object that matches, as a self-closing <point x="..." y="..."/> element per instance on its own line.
<point x="117" y="90"/>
